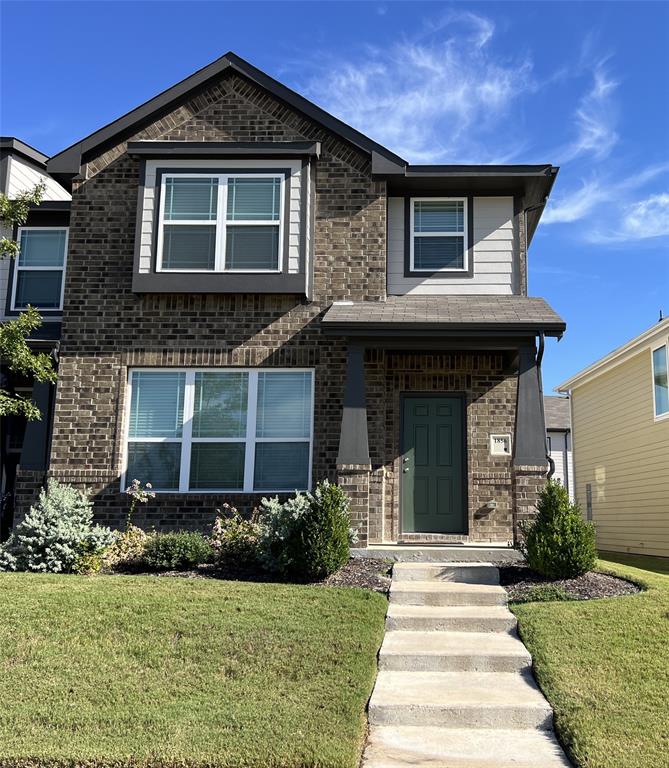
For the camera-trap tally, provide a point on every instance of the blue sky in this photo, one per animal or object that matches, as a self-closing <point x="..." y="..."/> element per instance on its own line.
<point x="581" y="85"/>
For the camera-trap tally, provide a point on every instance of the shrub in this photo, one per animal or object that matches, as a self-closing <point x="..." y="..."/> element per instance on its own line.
<point x="55" y="533"/>
<point x="235" y="539"/>
<point x="127" y="549"/>
<point x="307" y="536"/>
<point x="176" y="551"/>
<point x="559" y="543"/>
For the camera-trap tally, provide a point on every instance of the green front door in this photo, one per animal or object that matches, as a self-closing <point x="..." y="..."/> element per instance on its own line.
<point x="432" y="462"/>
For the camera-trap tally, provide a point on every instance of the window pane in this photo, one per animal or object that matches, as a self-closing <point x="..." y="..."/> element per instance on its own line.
<point x="41" y="289"/>
<point x="432" y="253"/>
<point x="281" y="467"/>
<point x="157" y="404"/>
<point x="661" y="381"/>
<point x="155" y="463"/>
<point x="284" y="405"/>
<point x="189" y="247"/>
<point x="254" y="199"/>
<point x="45" y="248"/>
<point x="220" y="405"/>
<point x="252" y="248"/>
<point x="194" y="198"/>
<point x="439" y="216"/>
<point x="217" y="465"/>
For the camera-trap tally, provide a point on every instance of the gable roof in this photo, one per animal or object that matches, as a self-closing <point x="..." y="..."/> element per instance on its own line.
<point x="654" y="336"/>
<point x="68" y="162"/>
<point x="12" y="145"/>
<point x="557" y="412"/>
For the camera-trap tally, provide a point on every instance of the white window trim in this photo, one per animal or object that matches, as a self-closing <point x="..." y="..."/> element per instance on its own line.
<point x="187" y="440"/>
<point x="220" y="222"/>
<point x="463" y="234"/>
<point x="15" y="280"/>
<point x="665" y="344"/>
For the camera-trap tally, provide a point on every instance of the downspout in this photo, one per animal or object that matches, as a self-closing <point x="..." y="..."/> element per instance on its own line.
<point x="540" y="355"/>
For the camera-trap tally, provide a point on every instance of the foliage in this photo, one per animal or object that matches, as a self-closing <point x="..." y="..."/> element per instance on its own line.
<point x="14" y="212"/>
<point x="19" y="358"/>
<point x="307" y="536"/>
<point x="55" y="533"/>
<point x="234" y="539"/>
<point x="178" y="550"/>
<point x="559" y="543"/>
<point x="544" y="593"/>
<point x="139" y="495"/>
<point x="127" y="549"/>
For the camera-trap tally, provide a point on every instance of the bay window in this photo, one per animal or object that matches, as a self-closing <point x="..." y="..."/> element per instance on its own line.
<point x="39" y="268"/>
<point x="221" y="222"/>
<point x="661" y="381"/>
<point x="217" y="430"/>
<point x="438" y="234"/>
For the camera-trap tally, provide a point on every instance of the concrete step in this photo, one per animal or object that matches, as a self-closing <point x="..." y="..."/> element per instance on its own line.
<point x="459" y="700"/>
<point x="461" y="618"/>
<point x="421" y="553"/>
<point x="470" y="573"/>
<point x="445" y="593"/>
<point x="413" y="746"/>
<point x="453" y="651"/>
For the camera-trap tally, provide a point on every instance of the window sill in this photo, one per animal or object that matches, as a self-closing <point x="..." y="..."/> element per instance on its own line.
<point x="218" y="282"/>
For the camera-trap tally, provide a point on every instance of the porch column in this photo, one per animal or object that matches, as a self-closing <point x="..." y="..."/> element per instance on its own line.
<point x="353" y="461"/>
<point x="35" y="450"/>
<point x="529" y="456"/>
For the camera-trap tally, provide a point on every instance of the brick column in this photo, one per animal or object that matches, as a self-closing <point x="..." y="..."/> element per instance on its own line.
<point x="528" y="482"/>
<point x="354" y="480"/>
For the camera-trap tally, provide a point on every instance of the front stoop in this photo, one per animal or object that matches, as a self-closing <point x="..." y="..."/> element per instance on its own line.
<point x="455" y="686"/>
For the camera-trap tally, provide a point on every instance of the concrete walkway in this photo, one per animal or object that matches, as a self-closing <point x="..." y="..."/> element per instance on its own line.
<point x="455" y="686"/>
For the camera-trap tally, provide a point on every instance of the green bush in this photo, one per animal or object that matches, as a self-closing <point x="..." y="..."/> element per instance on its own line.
<point x="558" y="543"/>
<point x="55" y="533"/>
<point x="309" y="535"/>
<point x="127" y="550"/>
<point x="234" y="539"/>
<point x="176" y="551"/>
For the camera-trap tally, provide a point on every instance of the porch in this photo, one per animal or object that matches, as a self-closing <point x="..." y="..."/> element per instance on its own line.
<point x="442" y="436"/>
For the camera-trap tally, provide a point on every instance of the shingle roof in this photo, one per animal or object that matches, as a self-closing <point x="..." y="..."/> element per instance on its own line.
<point x="513" y="313"/>
<point x="557" y="413"/>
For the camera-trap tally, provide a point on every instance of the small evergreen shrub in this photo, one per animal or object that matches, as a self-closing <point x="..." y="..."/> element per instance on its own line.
<point x="309" y="535"/>
<point x="234" y="539"/>
<point x="558" y="543"/>
<point x="55" y="533"/>
<point x="176" y="551"/>
<point x="127" y="550"/>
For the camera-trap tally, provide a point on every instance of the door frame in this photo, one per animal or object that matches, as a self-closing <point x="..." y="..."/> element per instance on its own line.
<point x="462" y="396"/>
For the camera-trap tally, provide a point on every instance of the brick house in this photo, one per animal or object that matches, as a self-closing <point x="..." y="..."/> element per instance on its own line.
<point x="257" y="297"/>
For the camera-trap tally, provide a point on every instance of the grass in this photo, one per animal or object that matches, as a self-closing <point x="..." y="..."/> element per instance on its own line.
<point x="604" y="666"/>
<point x="158" y="671"/>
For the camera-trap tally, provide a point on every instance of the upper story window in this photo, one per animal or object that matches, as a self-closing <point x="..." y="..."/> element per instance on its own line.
<point x="438" y="234"/>
<point x="661" y="381"/>
<point x="221" y="223"/>
<point x="40" y="268"/>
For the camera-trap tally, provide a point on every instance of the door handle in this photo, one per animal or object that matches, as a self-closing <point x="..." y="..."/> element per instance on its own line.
<point x="406" y="469"/>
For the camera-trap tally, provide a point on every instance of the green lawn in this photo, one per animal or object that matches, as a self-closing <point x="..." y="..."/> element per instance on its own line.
<point x="158" y="671"/>
<point x="604" y="666"/>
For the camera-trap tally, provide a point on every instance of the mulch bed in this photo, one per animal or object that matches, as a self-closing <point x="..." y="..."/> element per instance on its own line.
<point x="519" y="581"/>
<point x="364" y="573"/>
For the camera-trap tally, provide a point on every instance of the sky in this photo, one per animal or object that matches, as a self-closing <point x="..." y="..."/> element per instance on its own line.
<point x="581" y="85"/>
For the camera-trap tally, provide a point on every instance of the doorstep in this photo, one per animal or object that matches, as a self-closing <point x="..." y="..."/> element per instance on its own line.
<point x="465" y="552"/>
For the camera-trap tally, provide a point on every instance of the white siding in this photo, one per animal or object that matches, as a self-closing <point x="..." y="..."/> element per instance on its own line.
<point x="295" y="192"/>
<point x="24" y="177"/>
<point x="562" y="456"/>
<point x="493" y="253"/>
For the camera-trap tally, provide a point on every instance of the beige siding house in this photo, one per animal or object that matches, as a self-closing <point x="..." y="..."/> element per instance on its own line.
<point x="620" y="423"/>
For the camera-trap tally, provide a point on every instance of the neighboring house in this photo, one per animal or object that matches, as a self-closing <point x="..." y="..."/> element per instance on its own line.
<point x="558" y="435"/>
<point x="36" y="278"/>
<point x="620" y="422"/>
<point x="259" y="296"/>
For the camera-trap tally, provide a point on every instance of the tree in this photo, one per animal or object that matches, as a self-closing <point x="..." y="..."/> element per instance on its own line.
<point x="15" y="353"/>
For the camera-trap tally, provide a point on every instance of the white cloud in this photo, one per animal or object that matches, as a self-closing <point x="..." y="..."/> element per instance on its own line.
<point x="437" y="98"/>
<point x="640" y="220"/>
